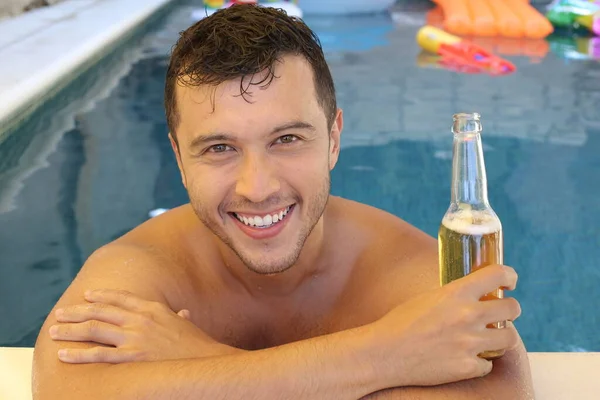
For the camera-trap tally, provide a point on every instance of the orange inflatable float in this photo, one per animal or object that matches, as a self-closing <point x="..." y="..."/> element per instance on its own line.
<point x="535" y="49"/>
<point x="508" y="18"/>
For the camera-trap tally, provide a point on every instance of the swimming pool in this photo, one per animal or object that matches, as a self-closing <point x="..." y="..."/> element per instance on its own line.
<point x="94" y="161"/>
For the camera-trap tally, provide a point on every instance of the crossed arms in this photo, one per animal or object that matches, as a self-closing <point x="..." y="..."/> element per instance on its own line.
<point x="419" y="350"/>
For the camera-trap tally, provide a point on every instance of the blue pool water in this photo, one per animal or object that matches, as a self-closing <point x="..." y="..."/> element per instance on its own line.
<point x="94" y="161"/>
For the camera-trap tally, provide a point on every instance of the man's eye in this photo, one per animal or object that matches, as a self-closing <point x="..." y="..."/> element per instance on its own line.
<point x="287" y="139"/>
<point x="218" y="148"/>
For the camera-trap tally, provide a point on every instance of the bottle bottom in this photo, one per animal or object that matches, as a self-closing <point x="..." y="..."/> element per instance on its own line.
<point x="491" y="355"/>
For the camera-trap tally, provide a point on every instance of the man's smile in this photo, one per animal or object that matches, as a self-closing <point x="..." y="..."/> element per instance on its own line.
<point x="264" y="225"/>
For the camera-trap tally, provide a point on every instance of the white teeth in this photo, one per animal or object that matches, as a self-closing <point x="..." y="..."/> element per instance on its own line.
<point x="265" y="221"/>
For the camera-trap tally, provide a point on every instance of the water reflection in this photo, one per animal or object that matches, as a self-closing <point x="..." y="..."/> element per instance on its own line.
<point x="74" y="176"/>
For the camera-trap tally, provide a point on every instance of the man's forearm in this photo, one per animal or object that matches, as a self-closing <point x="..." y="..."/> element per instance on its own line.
<point x="510" y="379"/>
<point x="336" y="366"/>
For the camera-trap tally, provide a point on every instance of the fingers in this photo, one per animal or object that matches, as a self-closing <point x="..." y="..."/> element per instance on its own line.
<point x="118" y="298"/>
<point x="89" y="331"/>
<point x="97" y="355"/>
<point x="507" y="309"/>
<point x="473" y="367"/>
<point x="488" y="279"/>
<point x="185" y="314"/>
<point x="500" y="339"/>
<point x="94" y="311"/>
<point x="484" y="367"/>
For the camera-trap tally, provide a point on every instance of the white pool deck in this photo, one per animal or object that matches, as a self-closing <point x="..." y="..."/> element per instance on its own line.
<point x="556" y="376"/>
<point x="41" y="48"/>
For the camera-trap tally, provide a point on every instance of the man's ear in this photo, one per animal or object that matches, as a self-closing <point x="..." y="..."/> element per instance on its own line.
<point x="175" y="147"/>
<point x="334" y="138"/>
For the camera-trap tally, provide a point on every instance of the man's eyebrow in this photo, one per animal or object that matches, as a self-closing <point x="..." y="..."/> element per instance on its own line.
<point x="210" y="138"/>
<point x="294" y="125"/>
<point x="204" y="139"/>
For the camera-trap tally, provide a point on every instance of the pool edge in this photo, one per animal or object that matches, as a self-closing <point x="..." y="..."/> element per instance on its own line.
<point x="19" y="104"/>
<point x="555" y="375"/>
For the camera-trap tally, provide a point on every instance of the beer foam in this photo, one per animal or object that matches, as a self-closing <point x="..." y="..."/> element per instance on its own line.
<point x="469" y="222"/>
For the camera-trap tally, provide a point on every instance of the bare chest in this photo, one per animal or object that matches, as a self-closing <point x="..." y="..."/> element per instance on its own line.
<point x="342" y="302"/>
<point x="251" y="330"/>
<point x="252" y="326"/>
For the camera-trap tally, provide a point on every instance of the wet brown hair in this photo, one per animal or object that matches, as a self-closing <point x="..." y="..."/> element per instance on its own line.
<point x="239" y="42"/>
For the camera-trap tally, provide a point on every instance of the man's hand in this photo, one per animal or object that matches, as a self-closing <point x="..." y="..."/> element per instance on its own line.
<point x="435" y="337"/>
<point x="135" y="330"/>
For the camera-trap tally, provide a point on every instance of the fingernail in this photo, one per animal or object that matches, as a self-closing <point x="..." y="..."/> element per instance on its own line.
<point x="53" y="331"/>
<point x="62" y="354"/>
<point x="59" y="312"/>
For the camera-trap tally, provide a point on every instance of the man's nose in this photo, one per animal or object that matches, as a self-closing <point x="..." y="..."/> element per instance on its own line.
<point x="257" y="179"/>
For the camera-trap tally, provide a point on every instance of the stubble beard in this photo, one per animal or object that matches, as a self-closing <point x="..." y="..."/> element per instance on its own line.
<point x="269" y="267"/>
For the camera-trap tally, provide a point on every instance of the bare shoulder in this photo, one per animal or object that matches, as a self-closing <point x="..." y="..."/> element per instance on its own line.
<point x="137" y="263"/>
<point x="394" y="252"/>
<point x="134" y="266"/>
<point x="150" y="259"/>
<point x="388" y="230"/>
<point x="125" y="265"/>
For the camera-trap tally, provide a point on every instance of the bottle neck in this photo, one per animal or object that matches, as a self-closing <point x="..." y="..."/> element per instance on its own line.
<point x="469" y="182"/>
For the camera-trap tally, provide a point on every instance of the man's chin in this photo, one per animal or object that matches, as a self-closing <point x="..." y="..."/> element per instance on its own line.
<point x="271" y="265"/>
<point x="270" y="260"/>
<point x="266" y="269"/>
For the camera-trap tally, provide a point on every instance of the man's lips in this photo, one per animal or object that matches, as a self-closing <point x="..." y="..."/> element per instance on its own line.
<point x="262" y="226"/>
<point x="262" y="219"/>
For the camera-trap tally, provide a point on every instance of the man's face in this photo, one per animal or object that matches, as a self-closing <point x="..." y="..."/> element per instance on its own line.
<point x="257" y="173"/>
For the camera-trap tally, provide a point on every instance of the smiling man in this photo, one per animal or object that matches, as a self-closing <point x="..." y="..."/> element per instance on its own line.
<point x="265" y="286"/>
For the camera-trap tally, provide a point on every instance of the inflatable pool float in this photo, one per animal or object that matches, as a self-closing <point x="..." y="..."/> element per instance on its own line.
<point x="575" y="14"/>
<point x="591" y="22"/>
<point x="212" y="6"/>
<point x="508" y="18"/>
<point x="535" y="49"/>
<point x="345" y="7"/>
<point x="461" y="55"/>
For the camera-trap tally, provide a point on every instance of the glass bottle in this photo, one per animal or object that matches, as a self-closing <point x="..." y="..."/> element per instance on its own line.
<point x="470" y="235"/>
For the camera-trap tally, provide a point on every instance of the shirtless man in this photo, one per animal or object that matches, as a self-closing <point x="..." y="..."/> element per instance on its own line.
<point x="265" y="286"/>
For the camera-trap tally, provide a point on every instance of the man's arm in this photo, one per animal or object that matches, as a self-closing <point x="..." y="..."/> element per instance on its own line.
<point x="510" y="379"/>
<point x="405" y="347"/>
<point x="511" y="375"/>
<point x="333" y="366"/>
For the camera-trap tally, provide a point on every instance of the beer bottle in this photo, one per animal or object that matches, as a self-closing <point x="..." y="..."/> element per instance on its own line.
<point x="470" y="235"/>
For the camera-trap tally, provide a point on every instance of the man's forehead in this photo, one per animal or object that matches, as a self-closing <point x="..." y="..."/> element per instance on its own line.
<point x="291" y="76"/>
<point x="288" y="69"/>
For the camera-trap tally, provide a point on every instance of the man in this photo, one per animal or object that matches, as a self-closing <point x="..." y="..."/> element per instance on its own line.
<point x="265" y="286"/>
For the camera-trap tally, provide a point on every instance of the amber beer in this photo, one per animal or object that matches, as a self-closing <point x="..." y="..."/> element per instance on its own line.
<point x="467" y="246"/>
<point x="470" y="235"/>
